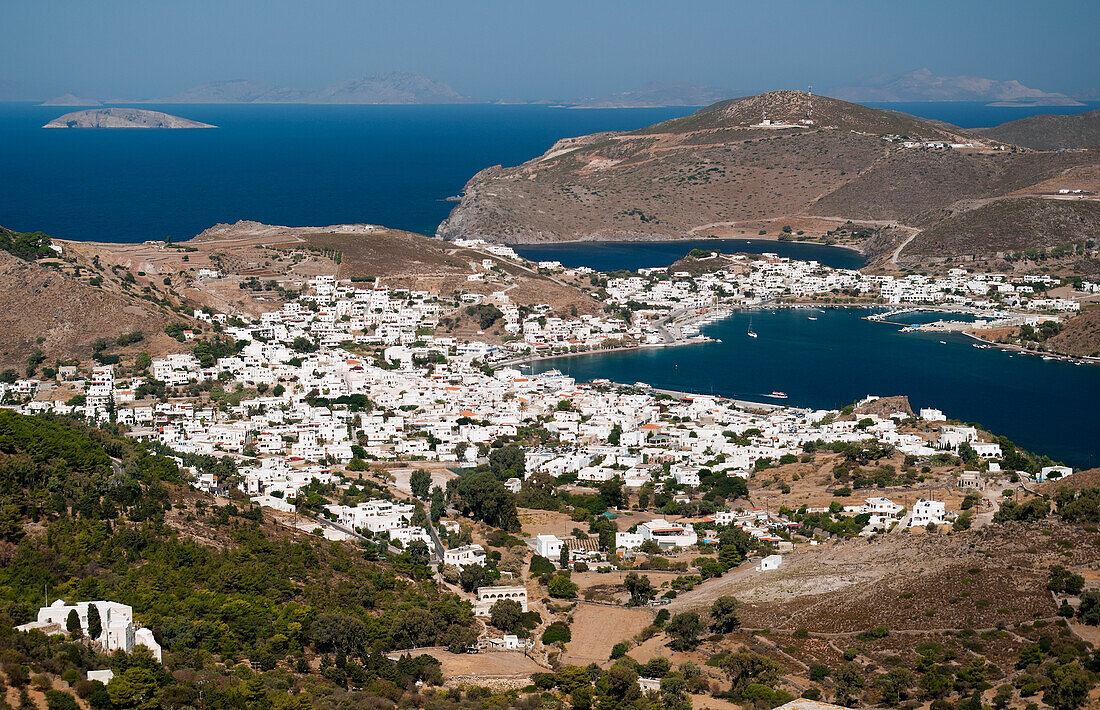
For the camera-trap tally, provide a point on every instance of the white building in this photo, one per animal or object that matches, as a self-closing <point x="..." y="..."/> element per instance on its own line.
<point x="488" y="596"/>
<point x="928" y="511"/>
<point x="770" y="562"/>
<point x="549" y="546"/>
<point x="668" y="535"/>
<point x="628" y="540"/>
<point x="465" y="556"/>
<point x="117" y="621"/>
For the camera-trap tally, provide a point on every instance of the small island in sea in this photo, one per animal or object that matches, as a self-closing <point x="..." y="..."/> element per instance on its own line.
<point x="123" y="118"/>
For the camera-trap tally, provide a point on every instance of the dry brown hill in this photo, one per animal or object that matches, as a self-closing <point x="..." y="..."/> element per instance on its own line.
<point x="718" y="170"/>
<point x="1008" y="225"/>
<point x="794" y="107"/>
<point x="978" y="578"/>
<point x="1046" y="132"/>
<point x="1079" y="337"/>
<point x="61" y="305"/>
<point x="43" y="309"/>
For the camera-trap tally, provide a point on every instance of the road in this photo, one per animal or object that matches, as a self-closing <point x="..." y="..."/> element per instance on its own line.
<point x="897" y="252"/>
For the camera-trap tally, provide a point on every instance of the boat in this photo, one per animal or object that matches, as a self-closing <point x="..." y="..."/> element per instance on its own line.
<point x="776" y="394"/>
<point x="943" y="342"/>
<point x="811" y="317"/>
<point x="751" y="333"/>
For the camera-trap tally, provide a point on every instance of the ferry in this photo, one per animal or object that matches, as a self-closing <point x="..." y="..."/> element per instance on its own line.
<point x="776" y="394"/>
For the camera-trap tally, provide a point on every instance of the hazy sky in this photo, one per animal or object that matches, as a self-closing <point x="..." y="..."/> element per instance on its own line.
<point x="538" y="49"/>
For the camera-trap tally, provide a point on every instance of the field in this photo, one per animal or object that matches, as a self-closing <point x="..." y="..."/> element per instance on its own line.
<point x="440" y="475"/>
<point x="501" y="669"/>
<point x="597" y="628"/>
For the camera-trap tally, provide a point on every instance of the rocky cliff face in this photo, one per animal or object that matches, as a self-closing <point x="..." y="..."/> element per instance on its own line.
<point x="123" y="118"/>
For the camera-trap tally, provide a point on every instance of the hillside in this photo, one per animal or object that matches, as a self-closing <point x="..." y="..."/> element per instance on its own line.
<point x="1080" y="336"/>
<point x="724" y="169"/>
<point x="45" y="309"/>
<point x="62" y="304"/>
<point x="1009" y="225"/>
<point x="1081" y="130"/>
<point x="215" y="579"/>
<point x="123" y="118"/>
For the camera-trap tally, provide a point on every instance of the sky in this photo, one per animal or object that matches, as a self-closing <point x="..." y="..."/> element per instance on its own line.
<point x="536" y="49"/>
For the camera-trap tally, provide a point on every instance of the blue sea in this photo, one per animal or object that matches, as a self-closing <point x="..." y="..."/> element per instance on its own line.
<point x="612" y="256"/>
<point x="397" y="165"/>
<point x="295" y="165"/>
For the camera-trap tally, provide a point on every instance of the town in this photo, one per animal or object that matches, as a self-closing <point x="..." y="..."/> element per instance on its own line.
<point x="342" y="414"/>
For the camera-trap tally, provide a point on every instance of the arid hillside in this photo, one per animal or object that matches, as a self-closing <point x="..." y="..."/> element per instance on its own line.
<point x="1008" y="225"/>
<point x="773" y="157"/>
<point x="44" y="310"/>
<point x="58" y="305"/>
<point x="1049" y="132"/>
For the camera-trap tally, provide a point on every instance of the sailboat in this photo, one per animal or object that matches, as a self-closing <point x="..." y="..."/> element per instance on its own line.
<point x="751" y="333"/>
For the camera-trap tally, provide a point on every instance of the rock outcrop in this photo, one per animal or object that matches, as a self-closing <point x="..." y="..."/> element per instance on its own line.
<point x="123" y="118"/>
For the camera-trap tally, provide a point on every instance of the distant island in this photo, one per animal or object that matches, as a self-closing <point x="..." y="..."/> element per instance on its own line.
<point x="384" y="88"/>
<point x="655" y="94"/>
<point x="123" y="118"/>
<point x="923" y="85"/>
<point x="70" y="100"/>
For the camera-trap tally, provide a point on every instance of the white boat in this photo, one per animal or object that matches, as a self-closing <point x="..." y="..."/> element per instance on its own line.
<point x="811" y="317"/>
<point x="776" y="394"/>
<point x="751" y="333"/>
<point x="943" y="342"/>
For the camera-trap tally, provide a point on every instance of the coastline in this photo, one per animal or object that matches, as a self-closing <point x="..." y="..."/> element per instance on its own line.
<point x="1012" y="348"/>
<point x="514" y="362"/>
<point x="668" y="240"/>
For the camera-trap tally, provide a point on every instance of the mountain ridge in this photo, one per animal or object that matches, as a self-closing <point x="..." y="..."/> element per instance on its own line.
<point x="752" y="164"/>
<point x="923" y="85"/>
<point x="394" y="87"/>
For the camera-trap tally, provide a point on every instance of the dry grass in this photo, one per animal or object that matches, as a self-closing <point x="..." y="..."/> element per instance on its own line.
<point x="597" y="628"/>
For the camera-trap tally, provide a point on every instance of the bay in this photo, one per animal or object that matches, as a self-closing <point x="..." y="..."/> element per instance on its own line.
<point x="631" y="256"/>
<point x="1047" y="406"/>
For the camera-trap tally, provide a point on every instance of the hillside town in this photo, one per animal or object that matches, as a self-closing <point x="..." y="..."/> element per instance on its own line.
<point x="349" y="374"/>
<point x="324" y="411"/>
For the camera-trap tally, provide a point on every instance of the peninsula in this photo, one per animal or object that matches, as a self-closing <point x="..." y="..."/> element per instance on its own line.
<point x="123" y="118"/>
